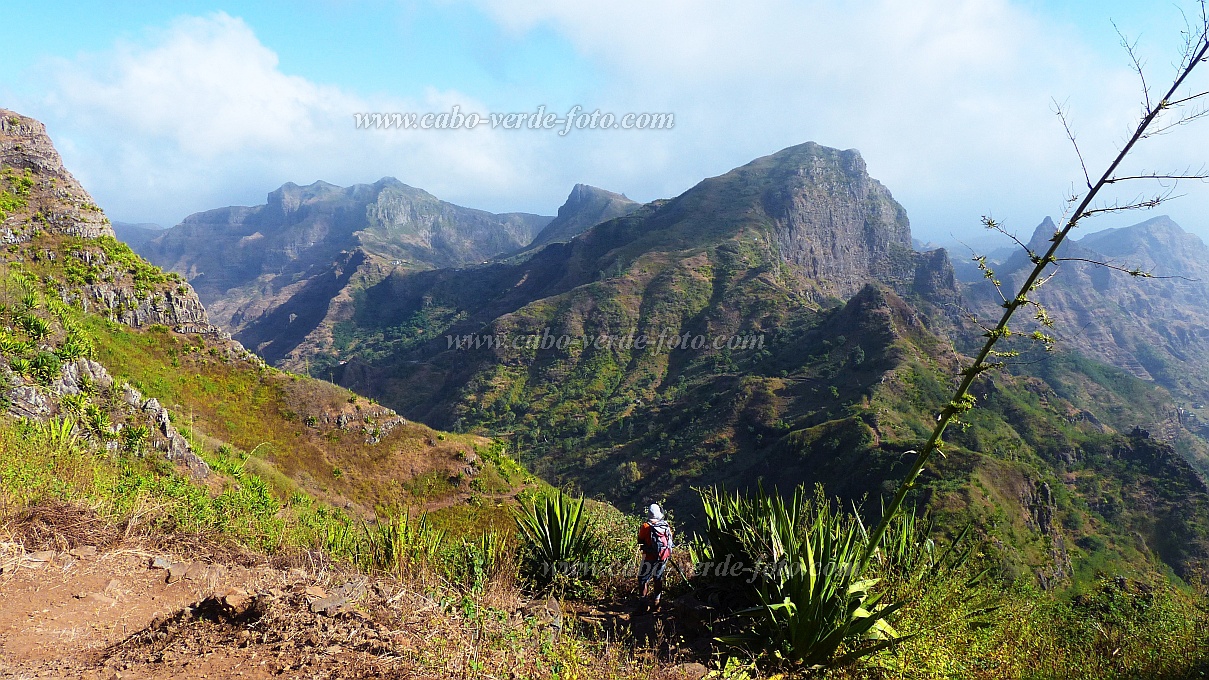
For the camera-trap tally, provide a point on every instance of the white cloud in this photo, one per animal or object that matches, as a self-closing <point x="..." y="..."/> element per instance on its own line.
<point x="948" y="100"/>
<point x="198" y="115"/>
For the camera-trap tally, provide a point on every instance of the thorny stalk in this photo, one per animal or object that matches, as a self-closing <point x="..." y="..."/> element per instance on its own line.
<point x="1196" y="49"/>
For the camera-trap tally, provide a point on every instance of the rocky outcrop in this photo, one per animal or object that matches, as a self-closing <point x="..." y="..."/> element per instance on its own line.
<point x="54" y="201"/>
<point x="81" y="375"/>
<point x="60" y="203"/>
<point x="173" y="445"/>
<point x="181" y="311"/>
<point x="85" y="376"/>
<point x="1037" y="499"/>
<point x="96" y="273"/>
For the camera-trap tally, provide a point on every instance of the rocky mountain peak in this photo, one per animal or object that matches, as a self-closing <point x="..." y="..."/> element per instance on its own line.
<point x="584" y="208"/>
<point x="1042" y="235"/>
<point x="584" y="194"/>
<point x="54" y="194"/>
<point x="1158" y="244"/>
<point x="830" y="219"/>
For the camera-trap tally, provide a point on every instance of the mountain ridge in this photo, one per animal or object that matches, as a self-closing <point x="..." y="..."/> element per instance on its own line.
<point x="585" y="207"/>
<point x="1154" y="325"/>
<point x="857" y="334"/>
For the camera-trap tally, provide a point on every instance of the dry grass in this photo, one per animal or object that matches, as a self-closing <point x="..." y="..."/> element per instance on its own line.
<point x="315" y="433"/>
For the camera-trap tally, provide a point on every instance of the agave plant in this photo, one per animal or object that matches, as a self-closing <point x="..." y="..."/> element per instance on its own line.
<point x="815" y="604"/>
<point x="34" y="326"/>
<point x="555" y="532"/>
<point x="60" y="433"/>
<point x="46" y="367"/>
<point x="21" y="366"/>
<point x="400" y="543"/>
<point x="134" y="437"/>
<point x="74" y="346"/>
<point x="74" y="403"/>
<point x="11" y="346"/>
<point x="98" y="421"/>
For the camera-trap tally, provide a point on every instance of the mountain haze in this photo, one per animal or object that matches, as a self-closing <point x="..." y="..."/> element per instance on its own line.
<point x="1156" y="328"/>
<point x="586" y="207"/>
<point x="136" y="235"/>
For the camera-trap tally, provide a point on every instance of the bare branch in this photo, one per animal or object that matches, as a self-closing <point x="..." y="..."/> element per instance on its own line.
<point x="1185" y="100"/>
<point x="1137" y="204"/>
<point x="1132" y="50"/>
<point x="1183" y="120"/>
<point x="1071" y="136"/>
<point x="961" y="400"/>
<point x="1127" y="178"/>
<point x="1132" y="271"/>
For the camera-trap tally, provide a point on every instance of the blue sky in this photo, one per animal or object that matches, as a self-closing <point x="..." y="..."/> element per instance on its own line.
<point x="168" y="108"/>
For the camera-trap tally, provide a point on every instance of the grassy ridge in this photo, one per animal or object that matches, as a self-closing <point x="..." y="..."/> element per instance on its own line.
<point x="291" y="421"/>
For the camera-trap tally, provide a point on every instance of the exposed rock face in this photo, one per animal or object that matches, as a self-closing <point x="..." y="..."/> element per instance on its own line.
<point x="65" y="206"/>
<point x="27" y="401"/>
<point x="181" y="311"/>
<point x="831" y="219"/>
<point x="586" y="207"/>
<point x="79" y="374"/>
<point x="57" y="203"/>
<point x="85" y="375"/>
<point x="1038" y="502"/>
<point x="105" y="281"/>
<point x="934" y="277"/>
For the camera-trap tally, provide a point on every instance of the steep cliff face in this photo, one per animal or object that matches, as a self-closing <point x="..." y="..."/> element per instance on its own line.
<point x="831" y="219"/>
<point x="56" y="199"/>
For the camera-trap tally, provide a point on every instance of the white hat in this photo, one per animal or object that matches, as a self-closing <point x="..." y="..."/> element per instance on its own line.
<point x="654" y="511"/>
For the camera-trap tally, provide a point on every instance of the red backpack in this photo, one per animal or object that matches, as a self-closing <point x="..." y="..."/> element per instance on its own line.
<point x="659" y="546"/>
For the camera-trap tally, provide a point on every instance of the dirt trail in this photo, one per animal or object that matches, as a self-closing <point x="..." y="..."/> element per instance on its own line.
<point x="60" y="611"/>
<point x="78" y="599"/>
<point x="463" y="497"/>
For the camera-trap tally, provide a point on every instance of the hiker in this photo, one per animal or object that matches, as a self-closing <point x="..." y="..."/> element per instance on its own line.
<point x="655" y="537"/>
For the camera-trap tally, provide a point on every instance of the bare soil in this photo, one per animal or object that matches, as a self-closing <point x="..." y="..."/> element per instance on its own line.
<point x="80" y="599"/>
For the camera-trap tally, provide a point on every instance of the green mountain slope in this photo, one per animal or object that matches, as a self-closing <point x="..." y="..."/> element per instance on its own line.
<point x="836" y="347"/>
<point x="124" y="354"/>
